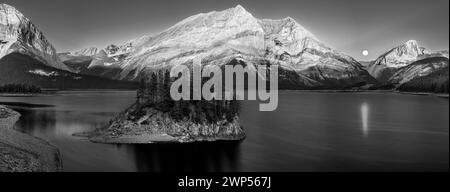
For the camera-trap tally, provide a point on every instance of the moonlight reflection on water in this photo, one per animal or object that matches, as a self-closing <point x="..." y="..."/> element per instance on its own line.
<point x="365" y="118"/>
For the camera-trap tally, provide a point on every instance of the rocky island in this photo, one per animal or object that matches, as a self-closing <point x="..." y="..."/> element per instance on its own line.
<point x="156" y="118"/>
<point x="155" y="126"/>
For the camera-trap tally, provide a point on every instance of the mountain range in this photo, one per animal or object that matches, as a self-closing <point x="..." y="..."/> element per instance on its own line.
<point x="221" y="37"/>
<point x="226" y="37"/>
<point x="26" y="56"/>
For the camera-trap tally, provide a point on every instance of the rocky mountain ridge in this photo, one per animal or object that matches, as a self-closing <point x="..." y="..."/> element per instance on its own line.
<point x="220" y="37"/>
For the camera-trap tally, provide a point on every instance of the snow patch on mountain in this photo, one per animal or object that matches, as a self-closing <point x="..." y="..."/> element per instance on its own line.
<point x="43" y="73"/>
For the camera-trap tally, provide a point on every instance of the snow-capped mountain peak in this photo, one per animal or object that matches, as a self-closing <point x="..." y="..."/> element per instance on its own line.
<point x="211" y="33"/>
<point x="410" y="48"/>
<point x="401" y="55"/>
<point x="231" y="30"/>
<point x="412" y="44"/>
<point x="18" y="34"/>
<point x="11" y="15"/>
<point x="405" y="62"/>
<point x="285" y="27"/>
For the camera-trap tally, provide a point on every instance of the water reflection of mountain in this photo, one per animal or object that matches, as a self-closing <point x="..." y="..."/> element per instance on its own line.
<point x="193" y="157"/>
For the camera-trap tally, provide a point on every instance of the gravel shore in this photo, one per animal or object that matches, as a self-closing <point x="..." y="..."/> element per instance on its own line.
<point x="20" y="152"/>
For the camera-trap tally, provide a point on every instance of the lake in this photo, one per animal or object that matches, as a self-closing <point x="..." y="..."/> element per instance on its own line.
<point x="310" y="131"/>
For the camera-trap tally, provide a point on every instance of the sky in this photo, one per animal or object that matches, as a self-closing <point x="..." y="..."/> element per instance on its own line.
<point x="350" y="26"/>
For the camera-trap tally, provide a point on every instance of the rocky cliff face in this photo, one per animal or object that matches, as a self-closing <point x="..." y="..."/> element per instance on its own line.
<point x="18" y="34"/>
<point x="220" y="37"/>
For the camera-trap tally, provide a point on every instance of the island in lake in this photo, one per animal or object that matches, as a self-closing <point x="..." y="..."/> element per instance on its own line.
<point x="156" y="117"/>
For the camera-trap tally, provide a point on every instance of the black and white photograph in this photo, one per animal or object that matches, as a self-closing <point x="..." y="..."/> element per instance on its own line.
<point x="214" y="86"/>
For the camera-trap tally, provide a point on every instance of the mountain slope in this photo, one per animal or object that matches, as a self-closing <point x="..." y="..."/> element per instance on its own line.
<point x="19" y="35"/>
<point x="295" y="48"/>
<point x="219" y="37"/>
<point x="437" y="82"/>
<point x="418" y="69"/>
<point x="19" y="68"/>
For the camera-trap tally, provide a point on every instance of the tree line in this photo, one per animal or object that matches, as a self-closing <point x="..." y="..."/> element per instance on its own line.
<point x="154" y="91"/>
<point x="19" y="88"/>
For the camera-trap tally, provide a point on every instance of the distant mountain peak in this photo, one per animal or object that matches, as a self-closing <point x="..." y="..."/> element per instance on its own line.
<point x="411" y="43"/>
<point x="240" y="8"/>
<point x="402" y="62"/>
<point x="90" y="51"/>
<point x="410" y="47"/>
<point x="289" y="19"/>
<point x="401" y="55"/>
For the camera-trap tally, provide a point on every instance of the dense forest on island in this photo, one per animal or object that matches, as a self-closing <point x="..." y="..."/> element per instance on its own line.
<point x="154" y="92"/>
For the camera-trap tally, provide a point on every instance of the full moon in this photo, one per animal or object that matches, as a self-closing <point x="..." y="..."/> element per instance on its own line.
<point x="365" y="52"/>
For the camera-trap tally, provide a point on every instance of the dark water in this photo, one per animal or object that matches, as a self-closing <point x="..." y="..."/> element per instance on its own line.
<point x="309" y="132"/>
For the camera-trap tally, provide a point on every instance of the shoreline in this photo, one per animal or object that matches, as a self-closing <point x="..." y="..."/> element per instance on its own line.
<point x="56" y="92"/>
<point x="24" y="153"/>
<point x="109" y="136"/>
<point x="50" y="93"/>
<point x="441" y="95"/>
<point x="23" y="94"/>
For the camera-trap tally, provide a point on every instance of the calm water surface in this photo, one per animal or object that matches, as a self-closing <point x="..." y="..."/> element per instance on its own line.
<point x="309" y="132"/>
